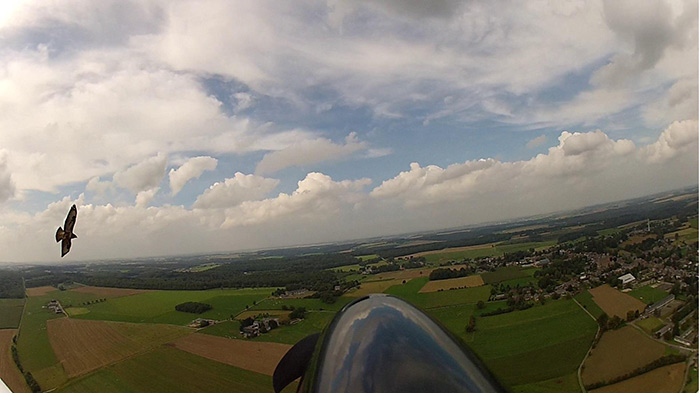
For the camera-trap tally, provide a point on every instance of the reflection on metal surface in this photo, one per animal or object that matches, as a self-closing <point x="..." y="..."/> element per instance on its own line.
<point x="383" y="344"/>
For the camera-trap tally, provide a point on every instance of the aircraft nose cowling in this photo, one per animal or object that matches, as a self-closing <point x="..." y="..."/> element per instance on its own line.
<point x="383" y="344"/>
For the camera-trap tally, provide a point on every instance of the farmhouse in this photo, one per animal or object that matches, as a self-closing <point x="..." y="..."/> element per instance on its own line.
<point x="252" y="330"/>
<point x="55" y="307"/>
<point x="201" y="322"/>
<point x="626" y="278"/>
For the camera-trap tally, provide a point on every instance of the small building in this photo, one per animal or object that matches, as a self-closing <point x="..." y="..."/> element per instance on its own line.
<point x="251" y="331"/>
<point x="660" y="304"/>
<point x="626" y="278"/>
<point x="660" y="333"/>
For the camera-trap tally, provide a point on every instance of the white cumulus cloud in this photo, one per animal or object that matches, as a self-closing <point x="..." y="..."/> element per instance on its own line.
<point x="143" y="176"/>
<point x="317" y="194"/>
<point x="309" y="152"/>
<point x="234" y="190"/>
<point x="191" y="169"/>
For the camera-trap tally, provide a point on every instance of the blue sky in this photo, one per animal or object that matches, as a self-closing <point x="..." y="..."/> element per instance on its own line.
<point x="188" y="126"/>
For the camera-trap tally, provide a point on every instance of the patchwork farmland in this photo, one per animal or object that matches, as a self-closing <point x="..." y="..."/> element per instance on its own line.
<point x="529" y="312"/>
<point x="82" y="346"/>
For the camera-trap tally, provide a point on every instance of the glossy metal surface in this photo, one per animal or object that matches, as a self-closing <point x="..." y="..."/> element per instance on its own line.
<point x="383" y="344"/>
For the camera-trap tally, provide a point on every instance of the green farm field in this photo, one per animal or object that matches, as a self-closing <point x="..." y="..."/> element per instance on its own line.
<point x="347" y="268"/>
<point x="159" y="306"/>
<point x="33" y="344"/>
<point x="534" y="345"/>
<point x="507" y="274"/>
<point x="409" y="292"/>
<point x="586" y="300"/>
<point x="650" y="325"/>
<point x="167" y="370"/>
<point x="648" y="294"/>
<point x="10" y="313"/>
<point x="314" y="322"/>
<point x="35" y="351"/>
<point x="564" y="384"/>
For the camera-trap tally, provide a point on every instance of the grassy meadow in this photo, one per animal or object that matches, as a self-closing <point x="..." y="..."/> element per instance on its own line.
<point x="648" y="294"/>
<point x="159" y="306"/>
<point x="10" y="313"/>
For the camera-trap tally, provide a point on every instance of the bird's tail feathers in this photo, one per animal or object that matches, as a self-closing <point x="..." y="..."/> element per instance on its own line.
<point x="59" y="234"/>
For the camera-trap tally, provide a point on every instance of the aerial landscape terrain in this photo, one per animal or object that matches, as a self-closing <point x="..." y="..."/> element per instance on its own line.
<point x="602" y="299"/>
<point x="359" y="195"/>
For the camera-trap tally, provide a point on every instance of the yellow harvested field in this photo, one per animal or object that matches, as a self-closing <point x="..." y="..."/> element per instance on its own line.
<point x="370" y="287"/>
<point x="452" y="283"/>
<point x="614" y="302"/>
<point x="667" y="379"/>
<point x="451" y="249"/>
<point x="82" y="345"/>
<point x="8" y="370"/>
<point x="253" y="313"/>
<point x="108" y="292"/>
<point x="620" y="352"/>
<point x="261" y="357"/>
<point x="40" y="291"/>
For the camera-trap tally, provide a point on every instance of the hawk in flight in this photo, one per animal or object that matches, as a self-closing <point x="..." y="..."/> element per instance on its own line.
<point x="66" y="235"/>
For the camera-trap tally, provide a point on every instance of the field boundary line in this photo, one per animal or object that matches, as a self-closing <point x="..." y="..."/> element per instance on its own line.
<point x="685" y="376"/>
<point x="678" y="347"/>
<point x="143" y="351"/>
<point x="580" y="366"/>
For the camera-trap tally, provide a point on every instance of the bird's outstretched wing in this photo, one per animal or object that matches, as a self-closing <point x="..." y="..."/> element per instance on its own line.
<point x="65" y="246"/>
<point x="70" y="220"/>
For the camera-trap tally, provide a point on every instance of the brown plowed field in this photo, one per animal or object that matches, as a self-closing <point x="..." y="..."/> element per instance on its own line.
<point x="620" y="352"/>
<point x="436" y="285"/>
<point x="258" y="356"/>
<point x="614" y="302"/>
<point x="108" y="292"/>
<point x="39" y="291"/>
<point x="82" y="345"/>
<point x="8" y="370"/>
<point x="667" y="379"/>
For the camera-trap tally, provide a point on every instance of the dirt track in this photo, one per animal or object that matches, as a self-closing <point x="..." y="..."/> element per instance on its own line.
<point x="261" y="357"/>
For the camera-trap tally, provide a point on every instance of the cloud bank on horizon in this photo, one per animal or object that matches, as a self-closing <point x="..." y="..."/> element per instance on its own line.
<point x="187" y="126"/>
